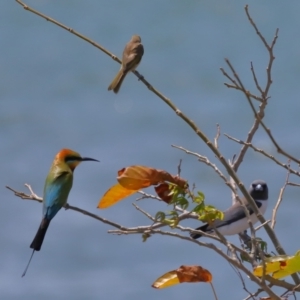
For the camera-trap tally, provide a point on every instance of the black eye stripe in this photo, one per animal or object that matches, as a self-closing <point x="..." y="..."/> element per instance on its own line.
<point x="72" y="158"/>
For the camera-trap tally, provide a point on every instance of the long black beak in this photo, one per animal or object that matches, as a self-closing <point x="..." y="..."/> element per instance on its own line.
<point x="88" y="159"/>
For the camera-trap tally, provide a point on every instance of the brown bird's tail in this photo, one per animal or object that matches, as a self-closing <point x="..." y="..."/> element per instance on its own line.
<point x="117" y="82"/>
<point x="39" y="237"/>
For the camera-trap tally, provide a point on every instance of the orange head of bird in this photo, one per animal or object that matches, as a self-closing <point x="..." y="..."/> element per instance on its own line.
<point x="71" y="158"/>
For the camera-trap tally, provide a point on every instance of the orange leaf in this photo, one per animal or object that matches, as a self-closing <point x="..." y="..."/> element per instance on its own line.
<point x="114" y="195"/>
<point x="134" y="177"/>
<point x="138" y="177"/>
<point x="163" y="192"/>
<point x="183" y="274"/>
<point x="193" y="274"/>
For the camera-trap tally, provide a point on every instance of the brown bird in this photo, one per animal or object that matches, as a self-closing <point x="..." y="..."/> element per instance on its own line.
<point x="132" y="56"/>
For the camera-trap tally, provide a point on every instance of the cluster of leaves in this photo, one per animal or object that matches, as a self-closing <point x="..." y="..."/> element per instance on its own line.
<point x="171" y="189"/>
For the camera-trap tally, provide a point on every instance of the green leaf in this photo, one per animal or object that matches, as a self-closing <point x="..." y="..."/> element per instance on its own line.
<point x="160" y="216"/>
<point x="145" y="237"/>
<point x="200" y="198"/>
<point x="199" y="209"/>
<point x="210" y="213"/>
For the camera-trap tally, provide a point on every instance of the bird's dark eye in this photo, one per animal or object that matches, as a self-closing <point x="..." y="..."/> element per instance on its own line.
<point x="72" y="158"/>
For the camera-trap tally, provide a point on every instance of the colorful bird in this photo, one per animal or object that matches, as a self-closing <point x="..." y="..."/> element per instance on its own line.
<point x="132" y="56"/>
<point x="235" y="220"/>
<point x="56" y="190"/>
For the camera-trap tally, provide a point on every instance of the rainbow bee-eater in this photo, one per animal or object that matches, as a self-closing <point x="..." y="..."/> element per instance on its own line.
<point x="56" y="190"/>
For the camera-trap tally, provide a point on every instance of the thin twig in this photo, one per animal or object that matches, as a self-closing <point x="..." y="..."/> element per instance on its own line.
<point x="239" y="274"/>
<point x="262" y="225"/>
<point x="34" y="197"/>
<point x="144" y="212"/>
<point x="26" y="7"/>
<point x="293" y="184"/>
<point x="145" y="196"/>
<point x="237" y="83"/>
<point x="255" y="79"/>
<point x="236" y="87"/>
<point x="285" y="166"/>
<point x="268" y="84"/>
<point x="214" y="291"/>
<point x="205" y="160"/>
<point x="179" y="168"/>
<point x="269" y="48"/>
<point x="258" y="117"/>
<point x="217" y="136"/>
<point x="280" y="198"/>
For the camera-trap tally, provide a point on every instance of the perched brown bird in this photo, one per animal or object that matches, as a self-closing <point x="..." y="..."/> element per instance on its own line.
<point x="132" y="56"/>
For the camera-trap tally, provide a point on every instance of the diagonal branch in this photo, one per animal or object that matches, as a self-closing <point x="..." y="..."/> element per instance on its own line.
<point x="258" y="117"/>
<point x="205" y="160"/>
<point x="280" y="199"/>
<point x="269" y="48"/>
<point x="26" y="7"/>
<point x="283" y="165"/>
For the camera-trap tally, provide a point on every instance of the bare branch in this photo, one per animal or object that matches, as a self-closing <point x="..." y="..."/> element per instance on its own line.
<point x="237" y="87"/>
<point x="258" y="117"/>
<point x="255" y="79"/>
<point x="145" y="196"/>
<point x="260" y="114"/>
<point x="22" y="195"/>
<point x="144" y="212"/>
<point x="205" y="160"/>
<point x="280" y="198"/>
<point x="269" y="48"/>
<point x="293" y="184"/>
<point x="262" y="225"/>
<point x="26" y="7"/>
<point x="34" y="197"/>
<point x="285" y="166"/>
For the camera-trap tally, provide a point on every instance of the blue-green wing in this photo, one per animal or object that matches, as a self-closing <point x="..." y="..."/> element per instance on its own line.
<point x="56" y="192"/>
